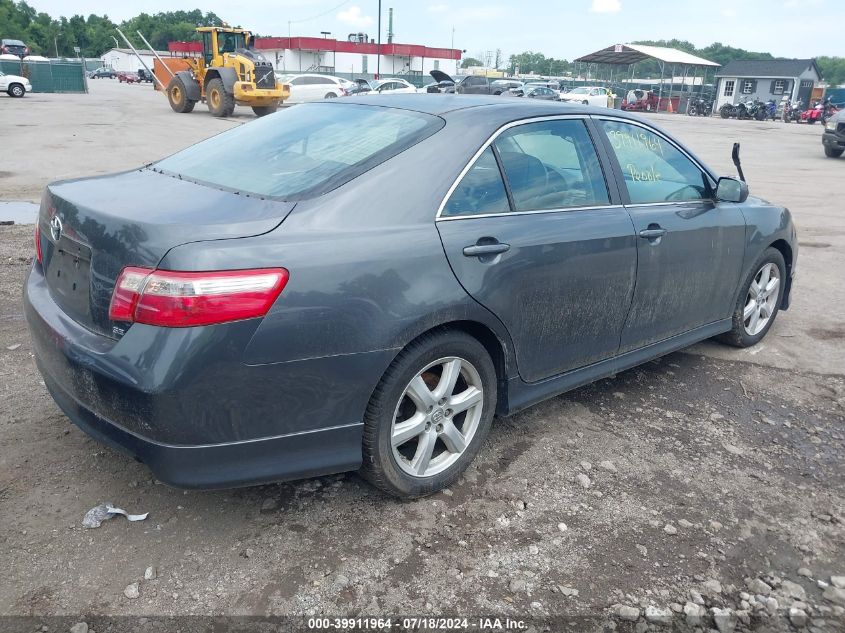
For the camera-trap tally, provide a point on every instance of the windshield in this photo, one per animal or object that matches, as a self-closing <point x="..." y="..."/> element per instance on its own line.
<point x="302" y="151"/>
<point x="579" y="91"/>
<point x="230" y="42"/>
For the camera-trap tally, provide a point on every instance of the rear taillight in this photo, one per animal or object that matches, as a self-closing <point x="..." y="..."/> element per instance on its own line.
<point x="183" y="299"/>
<point x="38" y="255"/>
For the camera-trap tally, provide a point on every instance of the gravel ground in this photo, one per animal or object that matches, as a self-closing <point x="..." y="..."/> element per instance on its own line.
<point x="705" y="488"/>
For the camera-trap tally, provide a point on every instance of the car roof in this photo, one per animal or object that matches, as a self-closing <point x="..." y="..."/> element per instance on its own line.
<point x="497" y="107"/>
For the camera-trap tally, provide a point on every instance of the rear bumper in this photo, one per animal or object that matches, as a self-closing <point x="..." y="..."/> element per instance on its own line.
<point x="182" y="401"/>
<point x="234" y="464"/>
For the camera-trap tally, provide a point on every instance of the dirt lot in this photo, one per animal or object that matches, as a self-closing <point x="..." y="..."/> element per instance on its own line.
<point x="700" y="482"/>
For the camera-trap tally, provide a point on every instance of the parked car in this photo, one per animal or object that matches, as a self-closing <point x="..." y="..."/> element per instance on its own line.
<point x="359" y="86"/>
<point x="309" y="87"/>
<point x="102" y="73"/>
<point x="14" y="85"/>
<point x="538" y="92"/>
<point x="466" y="84"/>
<point x="638" y="100"/>
<point x="13" y="47"/>
<point x="833" y="138"/>
<point x="392" y="86"/>
<point x="127" y="77"/>
<point x="588" y="95"/>
<point x="145" y="75"/>
<point x="446" y="86"/>
<point x="269" y="309"/>
<point x="502" y="86"/>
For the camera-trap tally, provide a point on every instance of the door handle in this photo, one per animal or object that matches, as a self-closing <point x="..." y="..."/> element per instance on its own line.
<point x="653" y="233"/>
<point x="481" y="250"/>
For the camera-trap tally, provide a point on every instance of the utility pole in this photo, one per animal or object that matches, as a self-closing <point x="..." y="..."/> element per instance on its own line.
<point x="378" y="48"/>
<point x="453" y="48"/>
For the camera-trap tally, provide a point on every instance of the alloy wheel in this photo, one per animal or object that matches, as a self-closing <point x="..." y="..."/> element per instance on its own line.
<point x="437" y="417"/>
<point x="762" y="299"/>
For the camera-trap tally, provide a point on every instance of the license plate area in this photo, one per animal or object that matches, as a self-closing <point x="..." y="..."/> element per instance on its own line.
<point x="68" y="275"/>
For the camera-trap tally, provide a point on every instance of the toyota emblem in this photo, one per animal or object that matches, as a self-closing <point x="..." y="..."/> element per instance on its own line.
<point x="56" y="228"/>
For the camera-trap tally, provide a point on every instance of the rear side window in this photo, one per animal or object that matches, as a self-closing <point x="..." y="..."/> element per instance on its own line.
<point x="481" y="190"/>
<point x="654" y="170"/>
<point x="552" y="165"/>
<point x="302" y="151"/>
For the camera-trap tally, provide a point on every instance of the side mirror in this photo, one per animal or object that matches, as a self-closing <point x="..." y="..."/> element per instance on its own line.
<point x="731" y="190"/>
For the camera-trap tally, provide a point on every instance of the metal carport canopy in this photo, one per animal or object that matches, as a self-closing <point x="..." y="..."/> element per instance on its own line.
<point x="626" y="54"/>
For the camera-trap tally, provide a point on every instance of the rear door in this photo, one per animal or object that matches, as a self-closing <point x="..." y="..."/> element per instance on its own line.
<point x="548" y="249"/>
<point x="690" y="247"/>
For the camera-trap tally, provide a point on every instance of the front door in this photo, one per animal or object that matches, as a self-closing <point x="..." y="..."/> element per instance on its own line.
<point x="805" y="92"/>
<point x="690" y="247"/>
<point x="546" y="249"/>
<point x="727" y="88"/>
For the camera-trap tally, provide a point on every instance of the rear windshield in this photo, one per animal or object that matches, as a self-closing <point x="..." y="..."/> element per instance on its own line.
<point x="302" y="151"/>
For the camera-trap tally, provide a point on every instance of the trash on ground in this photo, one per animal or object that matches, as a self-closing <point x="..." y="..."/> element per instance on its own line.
<point x="96" y="515"/>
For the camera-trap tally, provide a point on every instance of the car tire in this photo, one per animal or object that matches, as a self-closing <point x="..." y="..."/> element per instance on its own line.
<point x="220" y="103"/>
<point x="831" y="152"/>
<point x="330" y="95"/>
<point x="585" y="102"/>
<point x="16" y="90"/>
<point x="440" y="442"/>
<point x="748" y="330"/>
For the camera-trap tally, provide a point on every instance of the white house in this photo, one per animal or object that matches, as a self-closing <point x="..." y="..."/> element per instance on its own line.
<point x="767" y="79"/>
<point x="124" y="59"/>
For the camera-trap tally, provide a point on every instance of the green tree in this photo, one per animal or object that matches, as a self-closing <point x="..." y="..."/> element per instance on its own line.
<point x="471" y="61"/>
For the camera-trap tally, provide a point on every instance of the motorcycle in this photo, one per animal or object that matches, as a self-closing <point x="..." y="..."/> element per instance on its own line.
<point x="792" y="111"/>
<point x="700" y="107"/>
<point x="769" y="110"/>
<point x="821" y="111"/>
<point x="754" y="109"/>
<point x="738" y="111"/>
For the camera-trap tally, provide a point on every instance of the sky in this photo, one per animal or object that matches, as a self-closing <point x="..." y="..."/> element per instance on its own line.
<point x="564" y="29"/>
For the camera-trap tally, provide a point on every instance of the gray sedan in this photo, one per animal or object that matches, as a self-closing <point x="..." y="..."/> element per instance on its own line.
<point x="362" y="284"/>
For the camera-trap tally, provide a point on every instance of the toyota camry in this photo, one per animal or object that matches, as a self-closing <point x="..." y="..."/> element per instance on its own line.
<point x="362" y="284"/>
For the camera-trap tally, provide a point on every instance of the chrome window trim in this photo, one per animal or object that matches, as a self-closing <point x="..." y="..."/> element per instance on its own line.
<point x="488" y="143"/>
<point x="508" y="214"/>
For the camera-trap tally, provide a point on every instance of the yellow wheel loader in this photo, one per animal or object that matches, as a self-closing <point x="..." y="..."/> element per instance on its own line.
<point x="229" y="72"/>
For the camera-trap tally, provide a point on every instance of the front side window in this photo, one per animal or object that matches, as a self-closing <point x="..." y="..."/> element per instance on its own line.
<point x="552" y="165"/>
<point x="480" y="191"/>
<point x="302" y="151"/>
<point x="653" y="169"/>
<point x="729" y="88"/>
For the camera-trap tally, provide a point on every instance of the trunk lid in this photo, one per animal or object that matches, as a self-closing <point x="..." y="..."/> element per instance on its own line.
<point x="94" y="227"/>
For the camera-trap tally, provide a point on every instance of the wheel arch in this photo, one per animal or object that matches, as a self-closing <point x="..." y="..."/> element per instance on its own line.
<point x="226" y="75"/>
<point x="491" y="341"/>
<point x="786" y="250"/>
<point x="192" y="86"/>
